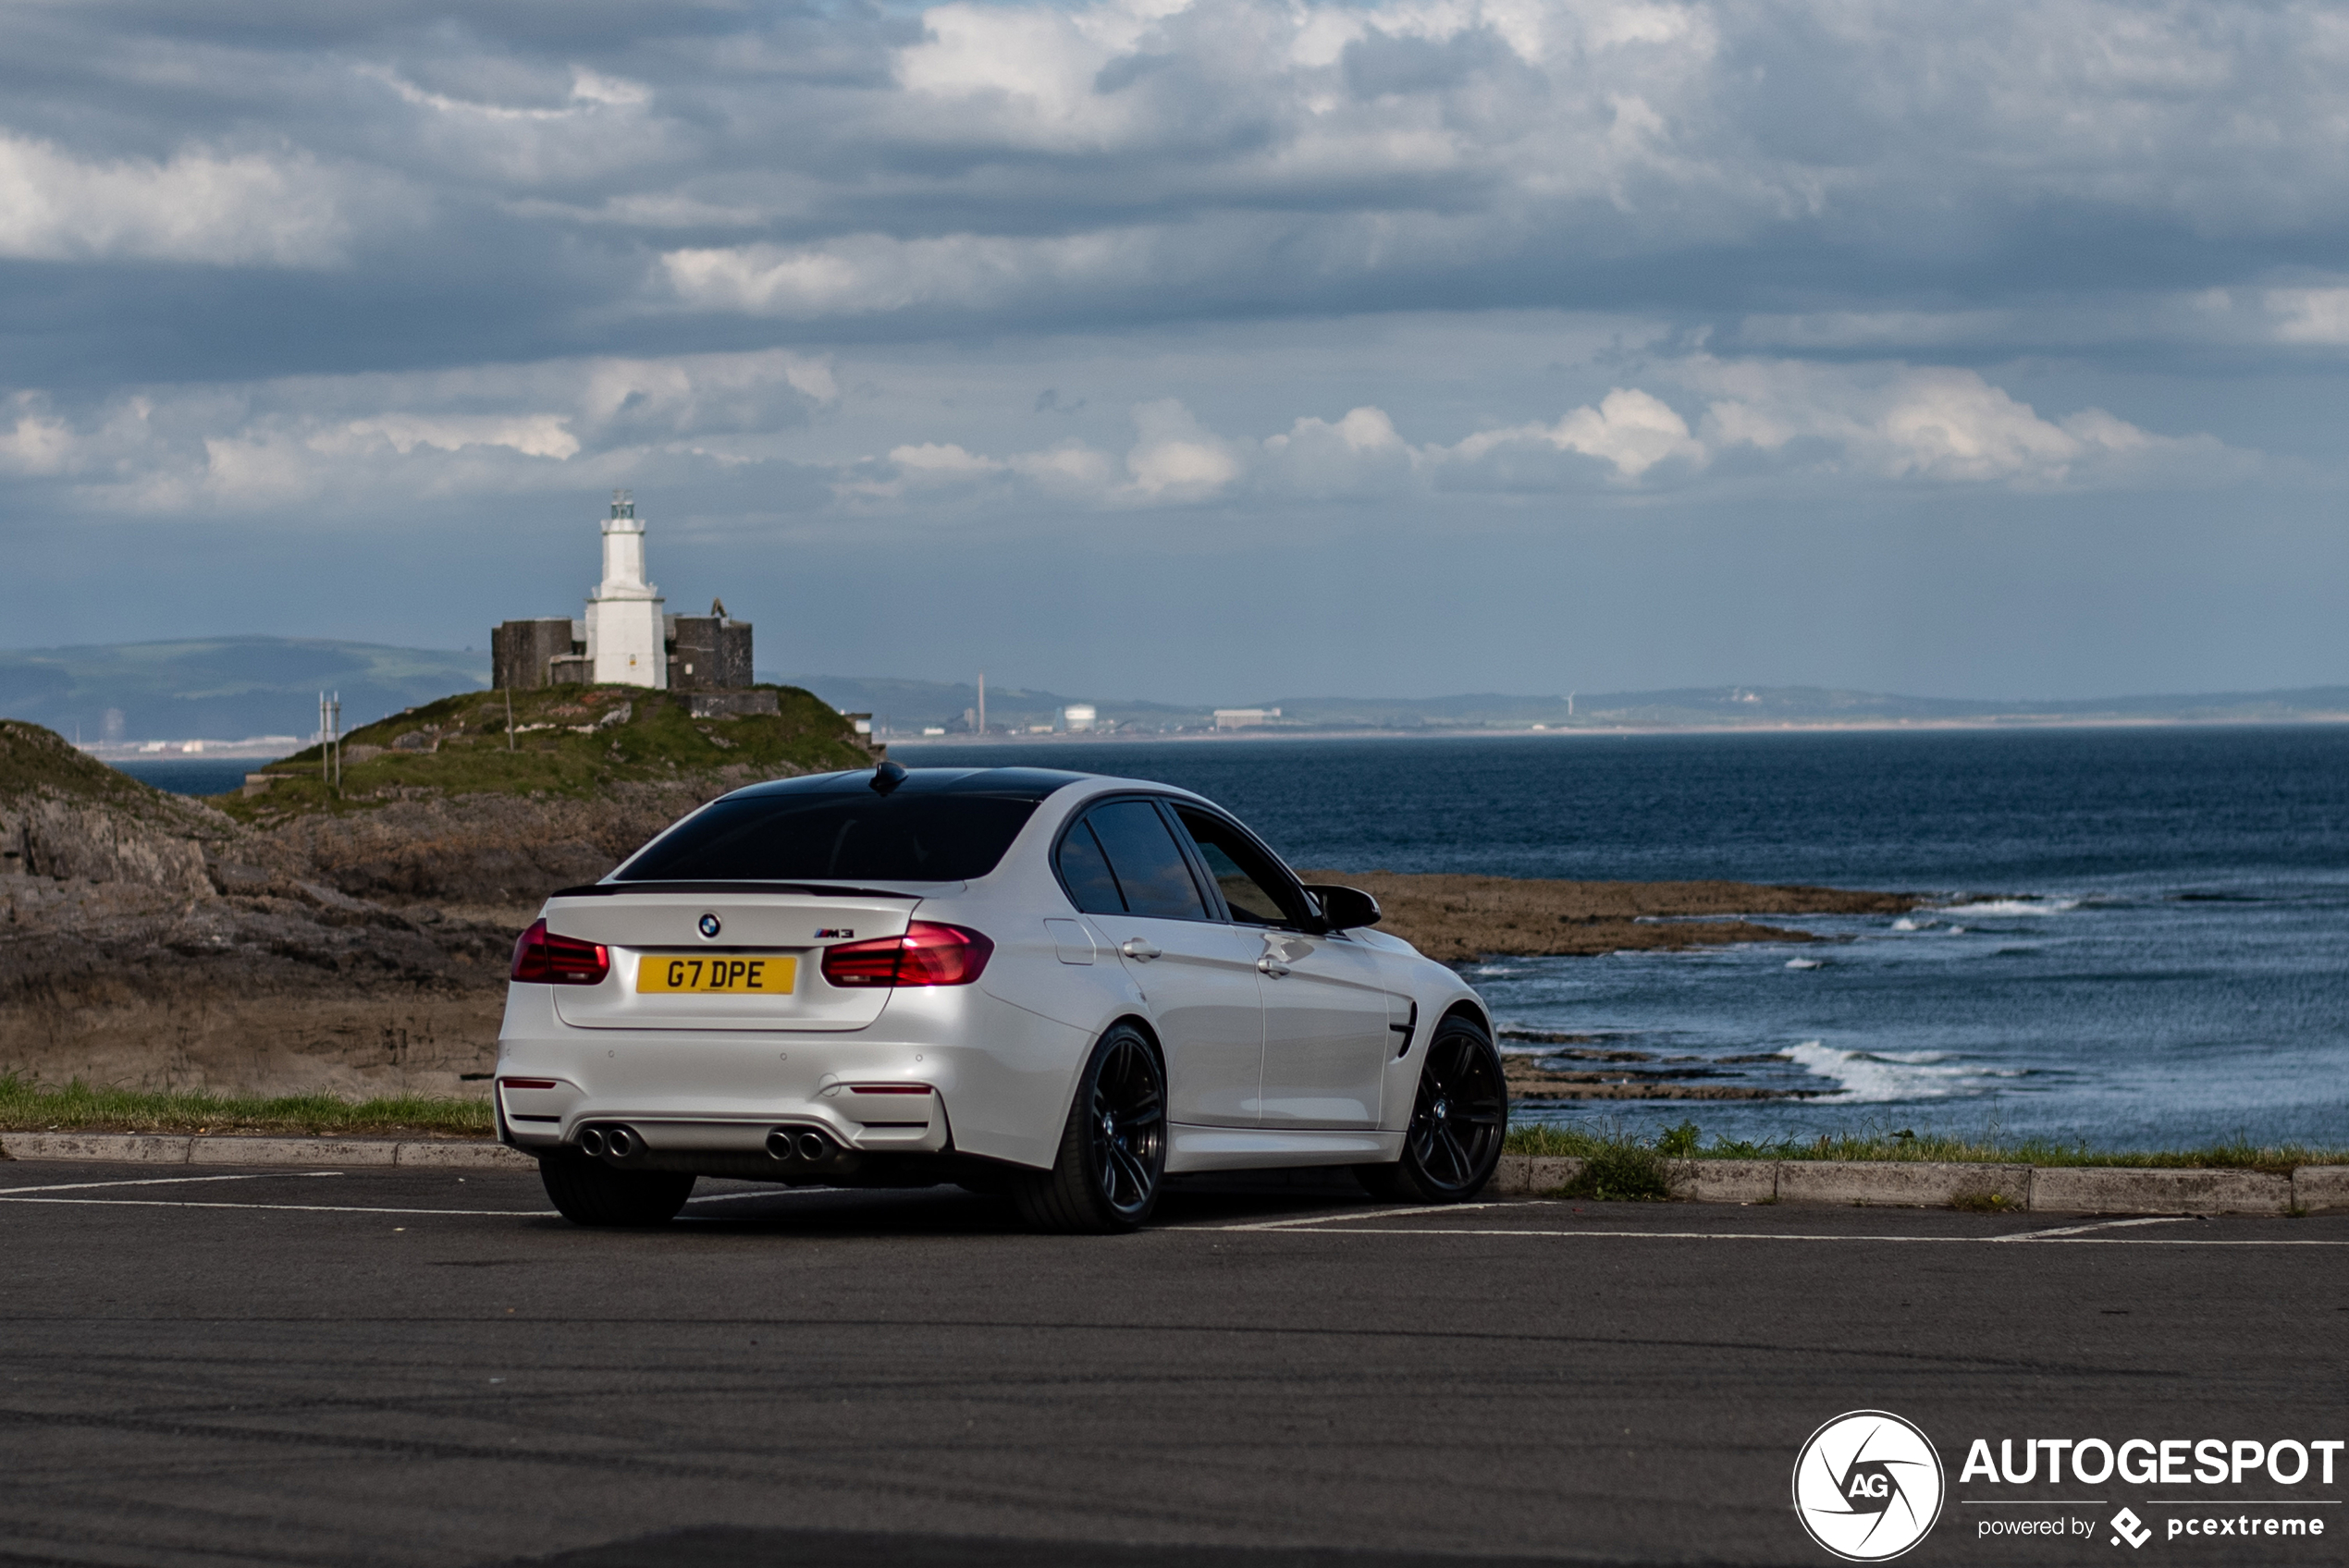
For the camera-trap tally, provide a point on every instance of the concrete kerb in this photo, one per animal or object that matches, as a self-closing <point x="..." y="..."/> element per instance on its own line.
<point x="2085" y="1190"/>
<point x="1905" y="1183"/>
<point x="144" y="1149"/>
<point x="1902" y="1183"/>
<point x="1930" y="1185"/>
<point x="2320" y="1186"/>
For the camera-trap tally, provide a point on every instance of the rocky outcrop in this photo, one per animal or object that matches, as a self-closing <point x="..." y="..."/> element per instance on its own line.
<point x="62" y="838"/>
<point x="286" y="987"/>
<point x="478" y="849"/>
<point x="64" y="816"/>
<point x="149" y="941"/>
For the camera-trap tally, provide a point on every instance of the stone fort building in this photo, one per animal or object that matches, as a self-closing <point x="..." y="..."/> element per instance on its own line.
<point x="626" y="637"/>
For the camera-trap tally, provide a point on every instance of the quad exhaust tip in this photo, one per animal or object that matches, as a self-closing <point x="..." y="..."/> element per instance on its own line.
<point x="783" y="1144"/>
<point x="609" y="1143"/>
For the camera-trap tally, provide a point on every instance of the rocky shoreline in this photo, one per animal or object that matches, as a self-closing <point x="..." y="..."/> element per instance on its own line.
<point x="1456" y="919"/>
<point x="1539" y="1076"/>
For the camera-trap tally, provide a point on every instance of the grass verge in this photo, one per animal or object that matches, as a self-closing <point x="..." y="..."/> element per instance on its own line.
<point x="78" y="1108"/>
<point x="1624" y="1153"/>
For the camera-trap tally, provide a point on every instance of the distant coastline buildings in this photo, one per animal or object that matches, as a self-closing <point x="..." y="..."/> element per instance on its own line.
<point x="625" y="636"/>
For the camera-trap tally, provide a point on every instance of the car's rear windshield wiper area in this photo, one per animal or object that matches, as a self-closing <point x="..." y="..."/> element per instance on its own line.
<point x="859" y="836"/>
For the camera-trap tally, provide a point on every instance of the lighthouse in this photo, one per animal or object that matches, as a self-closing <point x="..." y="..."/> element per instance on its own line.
<point x="627" y="635"/>
<point x="627" y="638"/>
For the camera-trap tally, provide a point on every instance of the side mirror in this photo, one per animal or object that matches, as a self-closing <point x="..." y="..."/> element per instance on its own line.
<point x="1344" y="909"/>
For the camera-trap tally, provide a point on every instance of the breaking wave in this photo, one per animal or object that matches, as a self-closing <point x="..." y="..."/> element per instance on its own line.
<point x="1869" y="1077"/>
<point x="2012" y="906"/>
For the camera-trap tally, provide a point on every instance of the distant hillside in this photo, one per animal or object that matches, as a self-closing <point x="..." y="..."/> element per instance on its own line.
<point x="222" y="688"/>
<point x="1771" y="706"/>
<point x="904" y="707"/>
<point x="226" y="688"/>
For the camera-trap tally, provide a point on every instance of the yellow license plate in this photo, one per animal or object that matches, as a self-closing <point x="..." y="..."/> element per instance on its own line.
<point x="731" y="974"/>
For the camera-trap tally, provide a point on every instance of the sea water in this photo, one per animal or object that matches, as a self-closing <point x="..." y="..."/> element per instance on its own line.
<point x="2137" y="938"/>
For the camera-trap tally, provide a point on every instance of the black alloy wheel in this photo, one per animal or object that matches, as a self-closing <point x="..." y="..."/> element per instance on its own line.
<point x="1113" y="1153"/>
<point x="1458" y="1122"/>
<point x="588" y="1191"/>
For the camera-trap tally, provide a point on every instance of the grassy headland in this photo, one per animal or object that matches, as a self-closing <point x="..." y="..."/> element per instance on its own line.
<point x="565" y="742"/>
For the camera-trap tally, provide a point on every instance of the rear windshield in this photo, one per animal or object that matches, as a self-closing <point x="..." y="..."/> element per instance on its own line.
<point x="857" y="837"/>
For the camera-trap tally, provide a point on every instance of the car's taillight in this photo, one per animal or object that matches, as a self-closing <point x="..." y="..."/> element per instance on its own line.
<point x="545" y="959"/>
<point x="928" y="954"/>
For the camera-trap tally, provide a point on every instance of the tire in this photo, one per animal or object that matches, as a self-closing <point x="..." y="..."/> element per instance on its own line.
<point x="588" y="1191"/>
<point x="1459" y="1119"/>
<point x="1113" y="1153"/>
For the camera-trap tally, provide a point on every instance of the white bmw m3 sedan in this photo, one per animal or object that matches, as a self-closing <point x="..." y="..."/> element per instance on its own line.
<point x="1057" y="986"/>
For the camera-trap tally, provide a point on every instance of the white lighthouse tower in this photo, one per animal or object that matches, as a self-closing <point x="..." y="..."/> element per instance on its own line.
<point x="627" y="641"/>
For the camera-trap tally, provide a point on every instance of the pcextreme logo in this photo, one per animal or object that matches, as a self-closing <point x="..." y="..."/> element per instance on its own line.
<point x="1868" y="1486"/>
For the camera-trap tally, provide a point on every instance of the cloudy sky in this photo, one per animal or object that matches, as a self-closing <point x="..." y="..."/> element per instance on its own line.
<point x="1211" y="350"/>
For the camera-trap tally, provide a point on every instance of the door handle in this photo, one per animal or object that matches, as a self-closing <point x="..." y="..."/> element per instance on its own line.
<point x="1138" y="948"/>
<point x="1270" y="965"/>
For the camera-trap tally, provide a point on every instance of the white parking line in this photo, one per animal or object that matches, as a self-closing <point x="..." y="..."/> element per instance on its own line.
<point x="1332" y="1218"/>
<point x="2099" y="1225"/>
<point x="162" y="1181"/>
<point x="1771" y="1236"/>
<point x="291" y="1208"/>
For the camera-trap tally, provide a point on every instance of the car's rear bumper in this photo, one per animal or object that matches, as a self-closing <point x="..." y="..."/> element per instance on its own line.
<point x="943" y="1069"/>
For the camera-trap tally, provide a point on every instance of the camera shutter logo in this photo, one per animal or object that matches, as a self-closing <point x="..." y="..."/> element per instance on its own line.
<point x="1868" y="1486"/>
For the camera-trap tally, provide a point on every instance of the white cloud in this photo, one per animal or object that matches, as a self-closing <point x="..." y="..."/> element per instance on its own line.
<point x="1816" y="426"/>
<point x="596" y="126"/>
<point x="2311" y="316"/>
<point x="1629" y="429"/>
<point x="533" y="436"/>
<point x="941" y="460"/>
<point x="1929" y="423"/>
<point x="1176" y="458"/>
<point x="1033" y="72"/>
<point x="863" y="274"/>
<point x="1360" y="455"/>
<point x="38" y="444"/>
<point x="486" y="429"/>
<point x="195" y="207"/>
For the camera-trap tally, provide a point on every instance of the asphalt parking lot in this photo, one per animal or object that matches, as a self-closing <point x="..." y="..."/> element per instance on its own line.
<point x="415" y="1368"/>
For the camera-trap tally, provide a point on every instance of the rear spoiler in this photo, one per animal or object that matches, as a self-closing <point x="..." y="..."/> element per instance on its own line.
<point x="820" y="890"/>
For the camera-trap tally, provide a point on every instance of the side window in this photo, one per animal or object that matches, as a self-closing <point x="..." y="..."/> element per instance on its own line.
<point x="1144" y="858"/>
<point x="1086" y="870"/>
<point x="1255" y="891"/>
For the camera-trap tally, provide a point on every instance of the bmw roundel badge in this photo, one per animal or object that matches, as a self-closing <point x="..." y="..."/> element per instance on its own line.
<point x="709" y="926"/>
